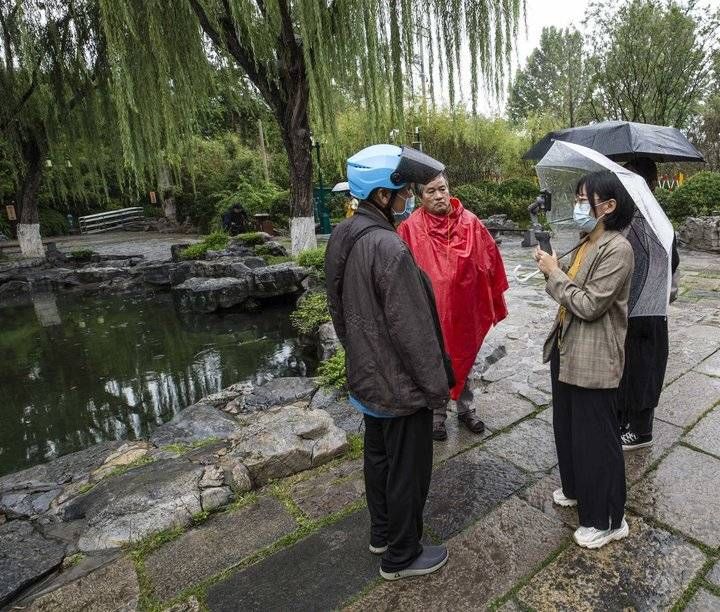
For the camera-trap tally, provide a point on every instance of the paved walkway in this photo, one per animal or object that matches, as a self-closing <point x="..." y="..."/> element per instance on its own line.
<point x="153" y="245"/>
<point x="301" y="544"/>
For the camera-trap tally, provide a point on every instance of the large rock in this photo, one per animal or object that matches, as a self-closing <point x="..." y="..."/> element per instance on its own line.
<point x="31" y="491"/>
<point x="25" y="557"/>
<point x="337" y="405"/>
<point x="328" y="342"/>
<point x="701" y="233"/>
<point x="157" y="274"/>
<point x="209" y="294"/>
<point x="279" y="392"/>
<point x="98" y="274"/>
<point x="196" y="422"/>
<point x="284" y="441"/>
<point x="139" y="503"/>
<point x="277" y="280"/>
<point x="218" y="268"/>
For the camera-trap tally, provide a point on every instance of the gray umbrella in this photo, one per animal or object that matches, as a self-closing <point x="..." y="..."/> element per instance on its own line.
<point x="624" y="140"/>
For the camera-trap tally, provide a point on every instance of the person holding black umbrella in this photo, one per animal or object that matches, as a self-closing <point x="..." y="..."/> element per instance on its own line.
<point x="646" y="344"/>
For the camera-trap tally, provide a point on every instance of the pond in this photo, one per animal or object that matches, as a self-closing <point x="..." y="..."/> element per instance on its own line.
<point x="78" y="371"/>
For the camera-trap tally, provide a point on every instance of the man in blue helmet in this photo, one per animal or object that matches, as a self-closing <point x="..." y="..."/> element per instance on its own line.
<point x="384" y="313"/>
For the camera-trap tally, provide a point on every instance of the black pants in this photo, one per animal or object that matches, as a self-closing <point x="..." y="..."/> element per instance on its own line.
<point x="587" y="438"/>
<point x="398" y="466"/>
<point x="646" y="356"/>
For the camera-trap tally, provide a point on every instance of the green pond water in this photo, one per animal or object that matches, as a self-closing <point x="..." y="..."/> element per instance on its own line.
<point x="77" y="371"/>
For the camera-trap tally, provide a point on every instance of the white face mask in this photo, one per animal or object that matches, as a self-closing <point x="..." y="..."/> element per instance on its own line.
<point x="409" y="207"/>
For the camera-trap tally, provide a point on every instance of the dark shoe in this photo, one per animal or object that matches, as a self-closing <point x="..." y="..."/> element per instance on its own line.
<point x="632" y="441"/>
<point x="431" y="559"/>
<point x="439" y="432"/>
<point x="472" y="422"/>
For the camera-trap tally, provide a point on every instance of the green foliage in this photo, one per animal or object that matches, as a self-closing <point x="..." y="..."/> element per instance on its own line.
<point x="632" y="80"/>
<point x="82" y="254"/>
<point x="216" y="241"/>
<point x="53" y="223"/>
<point x="4" y="225"/>
<point x="555" y="80"/>
<point x="699" y="195"/>
<point x="263" y="250"/>
<point x="510" y="198"/>
<point x="273" y="260"/>
<point x="218" y="173"/>
<point x="331" y="372"/>
<point x="357" y="446"/>
<point x="313" y="258"/>
<point x="311" y="313"/>
<point x="250" y="238"/>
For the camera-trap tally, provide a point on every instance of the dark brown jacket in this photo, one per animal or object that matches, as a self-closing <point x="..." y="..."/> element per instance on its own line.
<point x="383" y="317"/>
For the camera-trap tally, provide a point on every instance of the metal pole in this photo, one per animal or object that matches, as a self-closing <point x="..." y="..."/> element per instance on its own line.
<point x="325" y="227"/>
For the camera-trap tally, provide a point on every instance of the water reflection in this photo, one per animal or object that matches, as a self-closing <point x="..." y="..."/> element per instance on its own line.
<point x="74" y="372"/>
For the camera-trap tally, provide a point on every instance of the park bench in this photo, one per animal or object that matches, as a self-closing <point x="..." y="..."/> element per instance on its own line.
<point x="107" y="221"/>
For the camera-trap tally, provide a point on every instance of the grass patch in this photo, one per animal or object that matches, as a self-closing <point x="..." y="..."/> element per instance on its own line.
<point x="311" y="313"/>
<point x="250" y="238"/>
<point x="121" y="469"/>
<point x="357" y="445"/>
<point x="72" y="560"/>
<point x="86" y="487"/>
<point x="273" y="260"/>
<point x="180" y="448"/>
<point x="331" y="372"/>
<point x="313" y="258"/>
<point x="82" y="254"/>
<point x="217" y="241"/>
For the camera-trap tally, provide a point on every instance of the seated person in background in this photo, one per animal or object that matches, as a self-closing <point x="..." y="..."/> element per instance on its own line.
<point x="236" y="220"/>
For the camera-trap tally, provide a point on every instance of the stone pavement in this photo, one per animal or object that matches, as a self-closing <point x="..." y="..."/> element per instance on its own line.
<point x="301" y="543"/>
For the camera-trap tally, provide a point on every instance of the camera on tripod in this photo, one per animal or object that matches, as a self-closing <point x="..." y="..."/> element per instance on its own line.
<point x="536" y="234"/>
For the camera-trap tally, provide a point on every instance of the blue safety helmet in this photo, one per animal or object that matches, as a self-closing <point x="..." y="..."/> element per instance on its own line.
<point x="389" y="166"/>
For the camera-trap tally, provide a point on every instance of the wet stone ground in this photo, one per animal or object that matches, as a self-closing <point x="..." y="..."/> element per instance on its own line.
<point x="301" y="543"/>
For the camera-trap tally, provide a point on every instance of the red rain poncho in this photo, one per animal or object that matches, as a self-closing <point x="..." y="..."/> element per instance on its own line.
<point x="468" y="277"/>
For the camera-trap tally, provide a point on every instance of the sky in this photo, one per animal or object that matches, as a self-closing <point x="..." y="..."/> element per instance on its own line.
<point x="541" y="14"/>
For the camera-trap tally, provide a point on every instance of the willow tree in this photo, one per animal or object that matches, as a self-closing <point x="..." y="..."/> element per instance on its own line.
<point x="300" y="53"/>
<point x="131" y="74"/>
<point x="72" y="87"/>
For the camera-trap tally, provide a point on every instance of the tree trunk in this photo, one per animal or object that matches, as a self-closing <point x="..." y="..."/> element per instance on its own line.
<point x="292" y="114"/>
<point x="28" y="229"/>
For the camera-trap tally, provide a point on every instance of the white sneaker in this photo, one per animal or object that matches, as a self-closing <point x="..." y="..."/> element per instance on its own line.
<point x="560" y="499"/>
<point x="377" y="550"/>
<point x="589" y="537"/>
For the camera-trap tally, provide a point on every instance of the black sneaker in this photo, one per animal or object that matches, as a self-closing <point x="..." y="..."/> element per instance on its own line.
<point x="431" y="559"/>
<point x="439" y="432"/>
<point x="631" y="441"/>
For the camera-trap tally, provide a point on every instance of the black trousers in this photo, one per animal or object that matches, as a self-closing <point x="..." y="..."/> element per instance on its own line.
<point x="646" y="356"/>
<point x="587" y="439"/>
<point x="398" y="466"/>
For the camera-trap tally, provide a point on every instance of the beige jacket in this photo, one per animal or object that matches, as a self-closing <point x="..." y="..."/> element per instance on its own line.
<point x="592" y="342"/>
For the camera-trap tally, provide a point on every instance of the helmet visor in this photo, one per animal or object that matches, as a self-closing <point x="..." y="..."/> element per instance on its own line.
<point x="416" y="167"/>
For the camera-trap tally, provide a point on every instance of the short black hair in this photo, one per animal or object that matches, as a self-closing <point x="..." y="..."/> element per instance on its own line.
<point x="607" y="186"/>
<point x="645" y="167"/>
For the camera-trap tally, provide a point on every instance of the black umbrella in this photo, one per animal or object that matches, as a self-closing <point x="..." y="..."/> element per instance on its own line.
<point x="624" y="140"/>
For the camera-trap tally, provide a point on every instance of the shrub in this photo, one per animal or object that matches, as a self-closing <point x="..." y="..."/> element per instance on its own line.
<point x="82" y="254"/>
<point x="263" y="250"/>
<point x="485" y="198"/>
<point x="250" y="238"/>
<point x="331" y="372"/>
<point x="311" y="313"/>
<point x="52" y="223"/>
<point x="277" y="259"/>
<point x="313" y="258"/>
<point x="216" y="241"/>
<point x="4" y="225"/>
<point x="700" y="195"/>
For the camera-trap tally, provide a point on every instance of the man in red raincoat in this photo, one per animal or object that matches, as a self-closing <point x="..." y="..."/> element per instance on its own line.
<point x="463" y="262"/>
